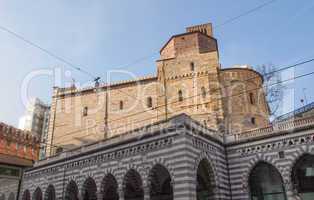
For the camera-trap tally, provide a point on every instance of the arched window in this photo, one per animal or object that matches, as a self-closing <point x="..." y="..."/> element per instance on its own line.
<point x="203" y="91"/>
<point x="251" y="98"/>
<point x="192" y="66"/>
<point x="160" y="183"/>
<point x="303" y="177"/>
<point x="121" y="105"/>
<point x="205" y="181"/>
<point x="11" y="196"/>
<point x="85" y="111"/>
<point x="149" y="102"/>
<point x="71" y="192"/>
<point x="265" y="182"/>
<point x="109" y="188"/>
<point x="26" y="195"/>
<point x="253" y="121"/>
<point x="50" y="193"/>
<point x="180" y="95"/>
<point x="133" y="186"/>
<point x="59" y="150"/>
<point x="89" y="190"/>
<point x="38" y="195"/>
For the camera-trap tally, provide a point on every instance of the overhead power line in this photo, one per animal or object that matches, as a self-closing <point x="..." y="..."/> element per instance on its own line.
<point x="96" y="78"/>
<point x="238" y="94"/>
<point x="227" y="86"/>
<point x="193" y="96"/>
<point x="57" y="57"/>
<point x="232" y="19"/>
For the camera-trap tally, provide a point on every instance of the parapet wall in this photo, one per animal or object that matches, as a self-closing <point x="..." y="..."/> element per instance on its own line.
<point x="18" y="143"/>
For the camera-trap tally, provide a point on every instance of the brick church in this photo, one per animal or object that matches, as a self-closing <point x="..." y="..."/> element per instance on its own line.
<point x="194" y="131"/>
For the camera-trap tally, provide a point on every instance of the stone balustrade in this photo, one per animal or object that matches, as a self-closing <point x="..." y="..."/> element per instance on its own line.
<point x="285" y="126"/>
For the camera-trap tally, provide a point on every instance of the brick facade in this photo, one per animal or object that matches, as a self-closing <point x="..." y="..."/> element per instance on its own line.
<point x="189" y="65"/>
<point x="18" y="143"/>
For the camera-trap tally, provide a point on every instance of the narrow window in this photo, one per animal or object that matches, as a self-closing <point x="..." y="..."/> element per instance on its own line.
<point x="180" y="95"/>
<point x="59" y="150"/>
<point x="149" y="102"/>
<point x="85" y="111"/>
<point x="192" y="66"/>
<point x="121" y="105"/>
<point x="251" y="98"/>
<point x="253" y="120"/>
<point x="203" y="90"/>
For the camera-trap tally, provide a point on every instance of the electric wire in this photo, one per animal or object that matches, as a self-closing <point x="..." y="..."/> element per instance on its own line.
<point x="241" y="93"/>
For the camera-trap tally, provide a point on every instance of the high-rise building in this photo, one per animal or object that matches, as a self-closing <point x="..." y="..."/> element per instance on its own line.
<point x="36" y="120"/>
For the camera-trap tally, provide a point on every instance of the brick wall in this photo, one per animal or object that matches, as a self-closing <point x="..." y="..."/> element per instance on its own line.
<point x="17" y="143"/>
<point x="189" y="64"/>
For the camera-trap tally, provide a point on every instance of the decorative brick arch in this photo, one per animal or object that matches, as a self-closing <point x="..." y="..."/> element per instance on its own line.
<point x="162" y="162"/>
<point x="213" y="172"/>
<point x="262" y="160"/>
<point x="299" y="154"/>
<point x="50" y="193"/>
<point x="141" y="170"/>
<point x="26" y="195"/>
<point x="89" y="187"/>
<point x="110" y="170"/>
<point x="153" y="181"/>
<point x="108" y="179"/>
<point x="72" y="178"/>
<point x="205" y="156"/>
<point x="252" y="163"/>
<point x="71" y="188"/>
<point x="37" y="194"/>
<point x="135" y="178"/>
<point x="11" y="196"/>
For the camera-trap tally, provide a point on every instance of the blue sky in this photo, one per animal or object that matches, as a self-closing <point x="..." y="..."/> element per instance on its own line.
<point x="99" y="35"/>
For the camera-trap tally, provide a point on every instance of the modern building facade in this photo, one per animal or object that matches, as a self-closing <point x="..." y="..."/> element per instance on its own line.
<point x="36" y="121"/>
<point x="201" y="132"/>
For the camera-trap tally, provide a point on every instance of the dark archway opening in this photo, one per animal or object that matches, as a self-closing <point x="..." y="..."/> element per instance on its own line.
<point x="205" y="181"/>
<point x="109" y="188"/>
<point x="265" y="182"/>
<point x="71" y="192"/>
<point x="11" y="196"/>
<point x="26" y="195"/>
<point x="303" y="177"/>
<point x="38" y="195"/>
<point x="133" y="186"/>
<point x="89" y="191"/>
<point x="160" y="183"/>
<point x="50" y="193"/>
<point x="2" y="197"/>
